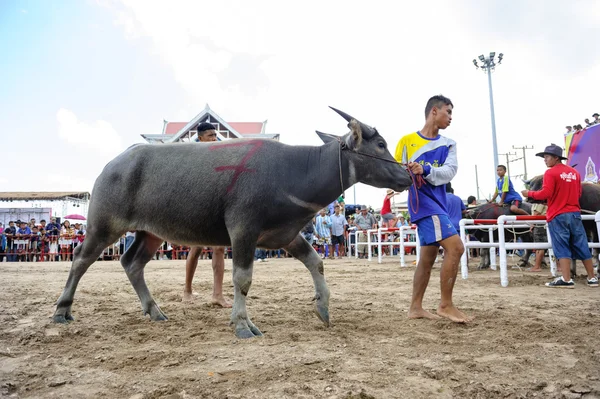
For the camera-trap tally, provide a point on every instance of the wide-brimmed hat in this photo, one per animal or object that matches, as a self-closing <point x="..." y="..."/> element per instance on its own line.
<point x="390" y="191"/>
<point x="595" y="114"/>
<point x="552" y="149"/>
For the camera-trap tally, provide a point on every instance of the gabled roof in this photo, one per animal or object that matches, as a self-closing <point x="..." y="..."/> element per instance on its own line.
<point x="173" y="127"/>
<point x="177" y="131"/>
<point x="197" y="119"/>
<point x="249" y="127"/>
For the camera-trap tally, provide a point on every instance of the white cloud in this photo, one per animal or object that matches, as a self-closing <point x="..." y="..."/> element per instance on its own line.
<point x="91" y="146"/>
<point x="98" y="136"/>
<point x="286" y="62"/>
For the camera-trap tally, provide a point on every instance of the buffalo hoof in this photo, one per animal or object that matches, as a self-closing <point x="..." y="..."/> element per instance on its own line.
<point x="62" y="319"/>
<point x="256" y="331"/>
<point x="156" y="314"/>
<point x="323" y="314"/>
<point x="245" y="333"/>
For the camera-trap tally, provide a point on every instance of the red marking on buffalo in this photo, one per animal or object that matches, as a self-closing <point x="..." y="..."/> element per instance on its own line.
<point x="241" y="167"/>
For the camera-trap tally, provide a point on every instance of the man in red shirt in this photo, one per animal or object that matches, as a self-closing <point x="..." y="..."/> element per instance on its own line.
<point x="389" y="219"/>
<point x="562" y="189"/>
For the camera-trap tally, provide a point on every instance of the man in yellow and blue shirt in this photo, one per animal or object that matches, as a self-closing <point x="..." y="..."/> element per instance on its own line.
<point x="433" y="156"/>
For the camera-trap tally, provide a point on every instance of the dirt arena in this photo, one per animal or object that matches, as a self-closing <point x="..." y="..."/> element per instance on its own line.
<point x="526" y="341"/>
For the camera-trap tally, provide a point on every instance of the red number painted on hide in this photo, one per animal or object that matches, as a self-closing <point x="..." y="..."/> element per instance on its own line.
<point x="241" y="167"/>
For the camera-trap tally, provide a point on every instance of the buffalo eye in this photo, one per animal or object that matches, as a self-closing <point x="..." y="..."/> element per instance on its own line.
<point x="381" y="145"/>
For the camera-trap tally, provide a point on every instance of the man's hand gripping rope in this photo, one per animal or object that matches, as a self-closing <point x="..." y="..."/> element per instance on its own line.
<point x="415" y="170"/>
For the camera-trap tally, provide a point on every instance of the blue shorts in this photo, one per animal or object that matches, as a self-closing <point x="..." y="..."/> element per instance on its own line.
<point x="434" y="229"/>
<point x="569" y="240"/>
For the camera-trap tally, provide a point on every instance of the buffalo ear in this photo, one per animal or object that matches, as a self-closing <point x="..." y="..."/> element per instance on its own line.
<point x="356" y="134"/>
<point x="326" y="137"/>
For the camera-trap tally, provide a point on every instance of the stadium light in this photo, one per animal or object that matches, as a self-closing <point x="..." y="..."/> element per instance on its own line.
<point x="487" y="66"/>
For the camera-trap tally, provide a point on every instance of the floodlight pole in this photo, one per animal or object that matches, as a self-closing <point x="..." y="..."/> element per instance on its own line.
<point x="487" y="65"/>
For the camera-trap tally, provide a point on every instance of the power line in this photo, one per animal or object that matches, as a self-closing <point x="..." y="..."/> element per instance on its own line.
<point x="525" y="147"/>
<point x="508" y="161"/>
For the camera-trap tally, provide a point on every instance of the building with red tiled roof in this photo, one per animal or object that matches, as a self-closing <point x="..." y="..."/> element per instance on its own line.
<point x="185" y="131"/>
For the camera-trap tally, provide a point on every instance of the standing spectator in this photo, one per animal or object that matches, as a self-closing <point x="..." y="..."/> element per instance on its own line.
<point x="32" y="224"/>
<point x="509" y="195"/>
<point x="44" y="244"/>
<point x="23" y="237"/>
<point x="402" y="221"/>
<point x="342" y="203"/>
<point x="2" y="243"/>
<point x="323" y="233"/>
<point x="569" y="130"/>
<point x="364" y="221"/>
<point x="562" y="189"/>
<point x="596" y="117"/>
<point x="455" y="207"/>
<point x="331" y="207"/>
<point x="308" y="232"/>
<point x="129" y="237"/>
<point x="260" y="255"/>
<point x="34" y="243"/>
<point x="11" y="249"/>
<point x="66" y="240"/>
<point x="539" y="235"/>
<point x="587" y="122"/>
<point x="52" y="232"/>
<point x="338" y="230"/>
<point x="472" y="203"/>
<point x="43" y="225"/>
<point x="389" y="219"/>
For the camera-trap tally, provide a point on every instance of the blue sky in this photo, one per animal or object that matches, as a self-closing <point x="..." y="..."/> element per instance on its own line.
<point x="81" y="80"/>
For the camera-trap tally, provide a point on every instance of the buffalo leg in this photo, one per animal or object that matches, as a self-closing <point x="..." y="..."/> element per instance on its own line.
<point x="140" y="252"/>
<point x="243" y="261"/>
<point x="524" y="261"/>
<point x="484" y="262"/>
<point x="84" y="255"/>
<point x="305" y="253"/>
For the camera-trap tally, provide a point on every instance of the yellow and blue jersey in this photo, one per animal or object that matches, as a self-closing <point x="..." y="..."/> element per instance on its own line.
<point x="438" y="157"/>
<point x="504" y="185"/>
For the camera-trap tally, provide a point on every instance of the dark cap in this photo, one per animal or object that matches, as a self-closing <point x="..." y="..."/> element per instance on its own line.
<point x="595" y="114"/>
<point x="552" y="149"/>
<point x="204" y="126"/>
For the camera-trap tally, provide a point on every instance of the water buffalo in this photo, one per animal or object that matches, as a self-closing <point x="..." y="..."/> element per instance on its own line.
<point x="589" y="202"/>
<point x="493" y="211"/>
<point x="156" y="190"/>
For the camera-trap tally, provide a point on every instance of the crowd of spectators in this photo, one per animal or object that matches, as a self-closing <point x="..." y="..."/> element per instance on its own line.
<point x="578" y="127"/>
<point x="23" y="241"/>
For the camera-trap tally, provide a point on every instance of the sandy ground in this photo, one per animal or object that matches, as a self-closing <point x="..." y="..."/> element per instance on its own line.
<point x="527" y="340"/>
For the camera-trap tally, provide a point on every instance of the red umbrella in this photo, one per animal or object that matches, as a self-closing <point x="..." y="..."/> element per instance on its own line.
<point x="74" y="217"/>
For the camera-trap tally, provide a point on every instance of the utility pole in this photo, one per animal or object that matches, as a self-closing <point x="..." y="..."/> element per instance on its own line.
<point x="508" y="161"/>
<point x="488" y="65"/>
<point x="525" y="147"/>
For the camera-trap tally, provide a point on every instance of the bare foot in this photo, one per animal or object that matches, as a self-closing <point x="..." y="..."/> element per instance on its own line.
<point x="188" y="296"/>
<point x="454" y="314"/>
<point x="220" y="301"/>
<point x="534" y="270"/>
<point x="422" y="314"/>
